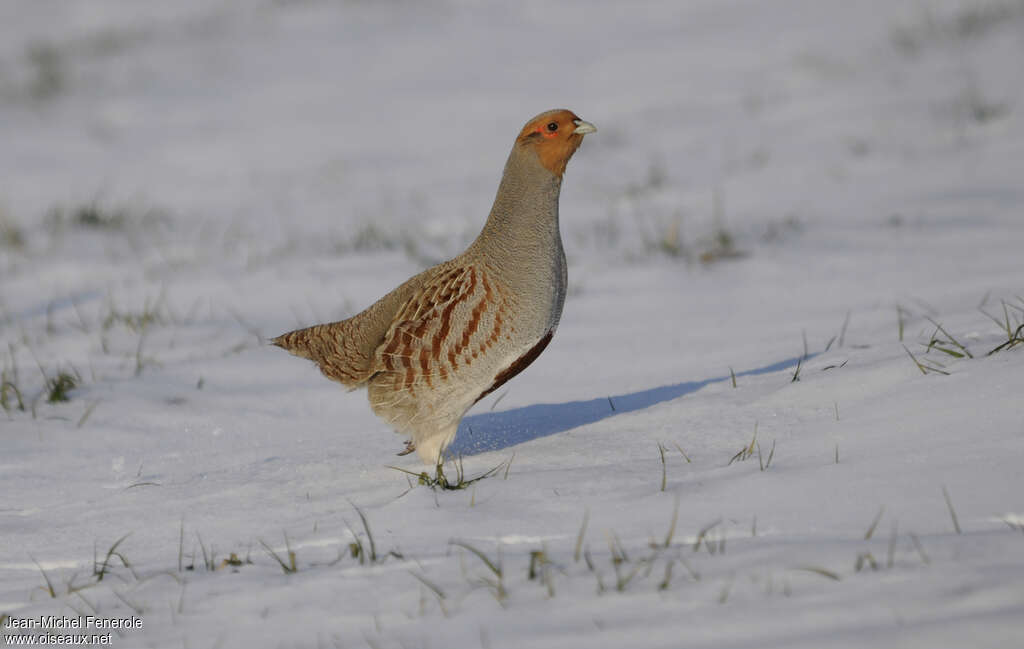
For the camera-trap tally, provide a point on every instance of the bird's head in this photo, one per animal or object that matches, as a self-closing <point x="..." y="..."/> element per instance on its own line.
<point x="554" y="135"/>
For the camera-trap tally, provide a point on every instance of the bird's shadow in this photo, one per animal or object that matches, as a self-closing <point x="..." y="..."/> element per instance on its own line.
<point x="493" y="431"/>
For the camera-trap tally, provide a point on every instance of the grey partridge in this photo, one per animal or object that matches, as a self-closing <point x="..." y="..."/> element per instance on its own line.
<point x="430" y="349"/>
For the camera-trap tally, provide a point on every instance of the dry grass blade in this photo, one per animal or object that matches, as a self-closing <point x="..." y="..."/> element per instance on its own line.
<point x="622" y="579"/>
<point x="87" y="413"/>
<point x="498" y="400"/>
<point x="9" y="384"/>
<point x="920" y="549"/>
<point x="289" y="567"/>
<point x="796" y="373"/>
<point x="672" y="525"/>
<point x="952" y="512"/>
<point x="842" y="332"/>
<point x="138" y="610"/>
<point x="46" y="578"/>
<point x="369" y="535"/>
<point x="704" y="532"/>
<point x="181" y="543"/>
<point x="101" y="570"/>
<point x="1016" y="338"/>
<point x="951" y="338"/>
<point x="891" y="554"/>
<point x="921" y="366"/>
<point x="667" y="581"/>
<point x="494" y="567"/>
<point x="440" y="481"/>
<point x="590" y="566"/>
<point x="865" y="558"/>
<point x="874" y="524"/>
<point x="820" y="571"/>
<point x="616" y="548"/>
<point x="433" y="587"/>
<point x="763" y="464"/>
<point x="747" y="451"/>
<point x="579" y="537"/>
<point x="1004" y="325"/>
<point x="664" y="468"/>
<point x="682" y="452"/>
<point x="208" y="558"/>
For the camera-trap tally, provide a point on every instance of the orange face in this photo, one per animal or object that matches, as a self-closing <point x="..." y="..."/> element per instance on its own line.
<point x="555" y="134"/>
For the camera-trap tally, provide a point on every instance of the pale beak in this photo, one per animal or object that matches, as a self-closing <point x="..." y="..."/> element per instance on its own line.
<point x="582" y="128"/>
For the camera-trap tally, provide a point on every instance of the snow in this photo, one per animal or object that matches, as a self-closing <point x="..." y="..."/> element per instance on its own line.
<point x="258" y="166"/>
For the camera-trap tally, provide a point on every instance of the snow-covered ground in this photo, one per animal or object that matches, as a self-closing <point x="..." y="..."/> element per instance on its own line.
<point x="800" y="192"/>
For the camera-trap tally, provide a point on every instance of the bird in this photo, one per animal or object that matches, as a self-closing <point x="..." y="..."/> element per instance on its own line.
<point x="452" y="334"/>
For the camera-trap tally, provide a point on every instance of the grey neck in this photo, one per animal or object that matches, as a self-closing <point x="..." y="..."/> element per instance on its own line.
<point x="522" y="228"/>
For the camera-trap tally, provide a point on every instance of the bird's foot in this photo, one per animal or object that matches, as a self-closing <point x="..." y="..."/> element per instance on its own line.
<point x="409" y="448"/>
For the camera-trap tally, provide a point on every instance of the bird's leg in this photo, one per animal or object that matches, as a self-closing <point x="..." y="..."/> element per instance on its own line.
<point x="410" y="446"/>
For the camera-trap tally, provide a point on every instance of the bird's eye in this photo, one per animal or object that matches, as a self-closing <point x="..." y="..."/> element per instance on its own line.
<point x="553" y="126"/>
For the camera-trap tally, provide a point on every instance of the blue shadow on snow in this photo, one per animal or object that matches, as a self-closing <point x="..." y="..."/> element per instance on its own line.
<point x="493" y="431"/>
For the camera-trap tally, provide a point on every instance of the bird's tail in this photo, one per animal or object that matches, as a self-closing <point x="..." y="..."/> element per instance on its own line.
<point x="299" y="342"/>
<point x="324" y="344"/>
<point x="309" y="342"/>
